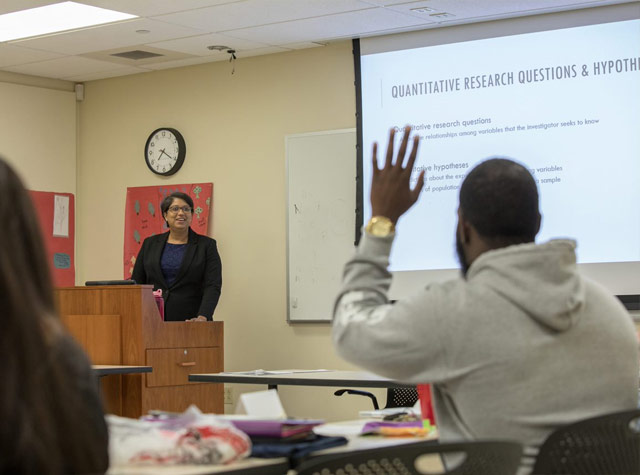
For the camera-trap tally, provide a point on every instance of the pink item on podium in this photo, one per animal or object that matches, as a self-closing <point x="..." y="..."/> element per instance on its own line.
<point x="159" y="302"/>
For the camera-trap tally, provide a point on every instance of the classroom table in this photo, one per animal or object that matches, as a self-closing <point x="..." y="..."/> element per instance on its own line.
<point x="101" y="370"/>
<point x="280" y="466"/>
<point x="351" y="379"/>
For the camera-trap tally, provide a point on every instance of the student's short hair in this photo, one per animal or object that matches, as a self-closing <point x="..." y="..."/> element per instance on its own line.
<point x="499" y="198"/>
<point x="166" y="203"/>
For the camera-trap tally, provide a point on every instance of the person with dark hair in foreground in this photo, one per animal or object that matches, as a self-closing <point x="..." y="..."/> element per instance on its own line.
<point x="518" y="346"/>
<point x="185" y="265"/>
<point x="51" y="412"/>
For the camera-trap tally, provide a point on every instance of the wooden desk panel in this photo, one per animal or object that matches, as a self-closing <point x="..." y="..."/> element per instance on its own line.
<point x="118" y="325"/>
<point x="172" y="366"/>
<point x="208" y="398"/>
<point x="99" y="335"/>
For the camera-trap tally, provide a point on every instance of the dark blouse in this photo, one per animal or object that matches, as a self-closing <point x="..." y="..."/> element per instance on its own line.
<point x="171" y="261"/>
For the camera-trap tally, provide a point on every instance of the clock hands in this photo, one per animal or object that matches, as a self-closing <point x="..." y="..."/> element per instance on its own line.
<point x="162" y="151"/>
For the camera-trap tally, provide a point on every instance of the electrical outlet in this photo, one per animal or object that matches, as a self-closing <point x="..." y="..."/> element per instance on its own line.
<point x="228" y="395"/>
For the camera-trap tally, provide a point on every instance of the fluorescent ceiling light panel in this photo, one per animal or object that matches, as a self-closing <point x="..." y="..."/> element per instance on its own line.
<point x="54" y="18"/>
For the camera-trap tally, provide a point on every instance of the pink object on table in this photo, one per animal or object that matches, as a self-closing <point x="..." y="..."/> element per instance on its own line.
<point x="426" y="406"/>
<point x="159" y="302"/>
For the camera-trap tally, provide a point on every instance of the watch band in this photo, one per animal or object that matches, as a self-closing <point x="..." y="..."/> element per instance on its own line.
<point x="380" y="226"/>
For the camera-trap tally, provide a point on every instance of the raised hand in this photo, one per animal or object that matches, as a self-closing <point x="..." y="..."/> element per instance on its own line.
<point x="391" y="193"/>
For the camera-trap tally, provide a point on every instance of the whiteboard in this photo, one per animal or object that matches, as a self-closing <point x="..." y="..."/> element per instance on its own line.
<point x="321" y="203"/>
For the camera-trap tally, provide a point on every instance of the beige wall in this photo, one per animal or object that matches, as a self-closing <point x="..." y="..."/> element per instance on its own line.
<point x="234" y="126"/>
<point x="38" y="135"/>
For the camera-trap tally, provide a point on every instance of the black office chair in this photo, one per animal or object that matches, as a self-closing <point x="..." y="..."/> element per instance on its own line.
<point x="605" y="444"/>
<point x="405" y="396"/>
<point x="479" y="458"/>
<point x="277" y="468"/>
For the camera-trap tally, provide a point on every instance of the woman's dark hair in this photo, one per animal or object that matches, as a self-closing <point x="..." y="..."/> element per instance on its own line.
<point x="499" y="198"/>
<point x="41" y="430"/>
<point x="166" y="203"/>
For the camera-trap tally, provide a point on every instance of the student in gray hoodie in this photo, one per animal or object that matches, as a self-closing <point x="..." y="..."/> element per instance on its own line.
<point x="518" y="346"/>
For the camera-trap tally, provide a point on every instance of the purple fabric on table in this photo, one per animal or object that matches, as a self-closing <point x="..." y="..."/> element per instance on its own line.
<point x="275" y="428"/>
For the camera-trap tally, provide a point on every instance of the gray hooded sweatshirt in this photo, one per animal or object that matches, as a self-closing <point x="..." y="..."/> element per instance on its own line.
<point x="522" y="346"/>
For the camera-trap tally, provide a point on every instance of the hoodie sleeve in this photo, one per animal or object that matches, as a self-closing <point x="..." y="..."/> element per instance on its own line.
<point x="404" y="341"/>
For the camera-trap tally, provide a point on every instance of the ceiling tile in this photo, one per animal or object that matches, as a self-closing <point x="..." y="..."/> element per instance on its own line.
<point x="262" y="51"/>
<point x="11" y="55"/>
<point x="470" y="9"/>
<point x="113" y="35"/>
<point x="154" y="7"/>
<point x="105" y="74"/>
<point x="219" y="56"/>
<point x="189" y="62"/>
<point x="386" y="3"/>
<point x="121" y="56"/>
<point x="343" y="25"/>
<point x="303" y="45"/>
<point x="183" y="28"/>
<point x="9" y="6"/>
<point x="67" y="66"/>
<point x="256" y="12"/>
<point x="198" y="44"/>
<point x="486" y="5"/>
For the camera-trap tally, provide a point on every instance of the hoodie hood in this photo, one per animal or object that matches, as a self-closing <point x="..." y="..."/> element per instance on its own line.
<point x="541" y="279"/>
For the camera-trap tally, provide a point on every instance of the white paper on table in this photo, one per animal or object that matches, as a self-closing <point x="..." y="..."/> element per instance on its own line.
<point x="340" y="429"/>
<point x="262" y="404"/>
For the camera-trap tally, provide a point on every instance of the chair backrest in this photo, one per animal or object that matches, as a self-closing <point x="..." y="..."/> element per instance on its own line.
<point x="479" y="458"/>
<point x="599" y="445"/>
<point x="402" y="397"/>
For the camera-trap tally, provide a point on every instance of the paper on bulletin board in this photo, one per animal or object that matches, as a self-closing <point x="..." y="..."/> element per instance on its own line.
<point x="143" y="217"/>
<point x="56" y="216"/>
<point x="61" y="216"/>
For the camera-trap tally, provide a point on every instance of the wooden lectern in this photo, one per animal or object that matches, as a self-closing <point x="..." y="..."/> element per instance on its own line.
<point x="120" y="324"/>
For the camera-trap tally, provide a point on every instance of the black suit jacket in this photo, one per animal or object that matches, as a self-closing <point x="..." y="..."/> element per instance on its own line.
<point x="196" y="289"/>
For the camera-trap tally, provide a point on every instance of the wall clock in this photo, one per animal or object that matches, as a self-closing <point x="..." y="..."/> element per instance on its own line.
<point x="164" y="151"/>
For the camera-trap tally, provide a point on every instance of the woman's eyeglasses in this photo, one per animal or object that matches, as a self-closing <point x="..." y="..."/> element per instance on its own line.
<point x="184" y="209"/>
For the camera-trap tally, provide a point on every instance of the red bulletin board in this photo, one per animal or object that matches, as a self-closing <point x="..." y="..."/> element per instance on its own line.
<point x="56" y="213"/>
<point x="143" y="218"/>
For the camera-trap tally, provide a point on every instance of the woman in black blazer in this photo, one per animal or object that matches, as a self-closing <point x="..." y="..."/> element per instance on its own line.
<point x="184" y="264"/>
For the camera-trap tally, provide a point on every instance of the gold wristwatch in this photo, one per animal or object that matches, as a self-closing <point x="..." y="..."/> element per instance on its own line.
<point x="380" y="226"/>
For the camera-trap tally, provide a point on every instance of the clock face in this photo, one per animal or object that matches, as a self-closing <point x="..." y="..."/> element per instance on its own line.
<point x="164" y="151"/>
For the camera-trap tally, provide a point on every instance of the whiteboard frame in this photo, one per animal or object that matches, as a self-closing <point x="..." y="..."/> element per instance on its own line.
<point x="351" y="225"/>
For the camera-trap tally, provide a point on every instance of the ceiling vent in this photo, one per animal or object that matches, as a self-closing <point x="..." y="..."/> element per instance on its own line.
<point x="422" y="10"/>
<point x="137" y="54"/>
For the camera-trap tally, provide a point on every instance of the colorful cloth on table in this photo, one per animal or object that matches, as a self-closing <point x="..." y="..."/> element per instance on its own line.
<point x="189" y="438"/>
